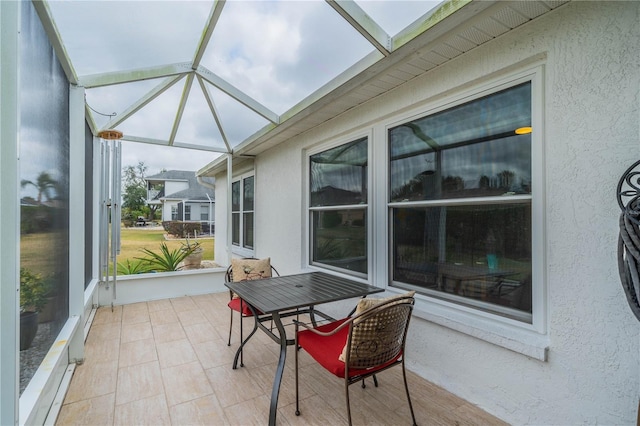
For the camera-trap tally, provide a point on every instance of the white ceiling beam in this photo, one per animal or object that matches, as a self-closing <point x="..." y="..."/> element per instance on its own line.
<point x="363" y="23"/>
<point x="216" y="10"/>
<point x="141" y="139"/>
<point x="183" y="102"/>
<point x="237" y="94"/>
<point x="143" y="101"/>
<point x="129" y="76"/>
<point x="214" y="112"/>
<point x="51" y="29"/>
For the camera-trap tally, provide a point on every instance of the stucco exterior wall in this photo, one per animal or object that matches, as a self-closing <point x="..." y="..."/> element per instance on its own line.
<point x="591" y="57"/>
<point x="171" y="187"/>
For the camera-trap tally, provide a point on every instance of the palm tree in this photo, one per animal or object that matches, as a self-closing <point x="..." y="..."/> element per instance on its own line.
<point x="44" y="184"/>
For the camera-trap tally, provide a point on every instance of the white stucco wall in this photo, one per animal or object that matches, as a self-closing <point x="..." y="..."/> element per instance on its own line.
<point x="171" y="187"/>
<point x="591" y="57"/>
<point x="166" y="209"/>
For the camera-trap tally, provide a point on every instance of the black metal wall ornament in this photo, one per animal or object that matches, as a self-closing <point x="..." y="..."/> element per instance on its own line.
<point x="628" y="194"/>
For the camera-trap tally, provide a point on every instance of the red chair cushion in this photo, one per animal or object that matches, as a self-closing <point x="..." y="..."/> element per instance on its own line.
<point x="326" y="349"/>
<point x="244" y="309"/>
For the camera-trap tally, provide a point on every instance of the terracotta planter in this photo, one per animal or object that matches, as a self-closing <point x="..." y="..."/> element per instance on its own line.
<point x="194" y="260"/>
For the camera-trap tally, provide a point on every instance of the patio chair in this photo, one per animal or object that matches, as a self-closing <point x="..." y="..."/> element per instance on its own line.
<point x="246" y="269"/>
<point x="361" y="346"/>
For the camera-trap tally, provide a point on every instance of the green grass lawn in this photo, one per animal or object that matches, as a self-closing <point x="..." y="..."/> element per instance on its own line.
<point x="132" y="240"/>
<point x="32" y="247"/>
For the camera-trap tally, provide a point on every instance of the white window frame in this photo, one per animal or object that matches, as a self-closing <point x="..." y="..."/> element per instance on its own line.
<point x="530" y="339"/>
<point x="240" y="249"/>
<point x="307" y="242"/>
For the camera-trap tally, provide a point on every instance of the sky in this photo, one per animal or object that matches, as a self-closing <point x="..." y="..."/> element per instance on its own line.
<point x="277" y="52"/>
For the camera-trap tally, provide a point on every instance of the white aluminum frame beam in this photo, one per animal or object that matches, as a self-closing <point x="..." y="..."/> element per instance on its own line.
<point x="118" y="77"/>
<point x="183" y="102"/>
<point x="143" y="101"/>
<point x="50" y="27"/>
<point x="364" y="24"/>
<point x="217" y="81"/>
<point x="216" y="10"/>
<point x="214" y="112"/>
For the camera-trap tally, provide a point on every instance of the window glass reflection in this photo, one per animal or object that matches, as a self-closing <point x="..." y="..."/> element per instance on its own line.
<point x="338" y="176"/>
<point x="480" y="252"/>
<point x="340" y="239"/>
<point x="247" y="194"/>
<point x="470" y="150"/>
<point x="44" y="195"/>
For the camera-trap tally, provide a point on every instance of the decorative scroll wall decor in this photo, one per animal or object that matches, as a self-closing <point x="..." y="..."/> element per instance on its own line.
<point x="629" y="240"/>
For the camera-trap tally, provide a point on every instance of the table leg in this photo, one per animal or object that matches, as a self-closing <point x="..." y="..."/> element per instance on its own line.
<point x="239" y="351"/>
<point x="279" y="370"/>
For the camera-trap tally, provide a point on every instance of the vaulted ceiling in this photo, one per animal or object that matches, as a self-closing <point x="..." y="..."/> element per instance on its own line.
<point x="239" y="77"/>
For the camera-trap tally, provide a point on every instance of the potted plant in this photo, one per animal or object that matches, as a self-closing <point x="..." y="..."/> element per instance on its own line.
<point x="33" y="297"/>
<point x="193" y="260"/>
<point x="167" y="260"/>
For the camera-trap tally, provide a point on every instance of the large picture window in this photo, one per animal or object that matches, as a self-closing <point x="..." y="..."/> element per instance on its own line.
<point x="338" y="207"/>
<point x="460" y="202"/>
<point x="242" y="201"/>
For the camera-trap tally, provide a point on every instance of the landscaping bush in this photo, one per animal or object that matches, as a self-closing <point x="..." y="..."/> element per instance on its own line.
<point x="182" y="229"/>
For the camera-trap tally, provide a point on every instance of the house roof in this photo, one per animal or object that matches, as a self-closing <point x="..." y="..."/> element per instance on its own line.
<point x="185" y="175"/>
<point x="195" y="192"/>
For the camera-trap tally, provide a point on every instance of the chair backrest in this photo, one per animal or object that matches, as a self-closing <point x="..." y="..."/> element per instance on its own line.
<point x="228" y="276"/>
<point x="378" y="335"/>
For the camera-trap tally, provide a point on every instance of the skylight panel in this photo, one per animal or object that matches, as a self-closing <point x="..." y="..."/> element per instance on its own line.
<point x="105" y="36"/>
<point x="155" y="120"/>
<point x="158" y="157"/>
<point x="105" y="101"/>
<point x="238" y="121"/>
<point x="281" y="52"/>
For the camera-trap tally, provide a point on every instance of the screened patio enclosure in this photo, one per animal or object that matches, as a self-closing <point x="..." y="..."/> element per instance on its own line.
<point x="222" y="83"/>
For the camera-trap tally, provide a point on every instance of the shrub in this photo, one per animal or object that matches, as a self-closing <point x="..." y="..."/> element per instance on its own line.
<point x="34" y="291"/>
<point x="182" y="229"/>
<point x="165" y="261"/>
<point x="131" y="268"/>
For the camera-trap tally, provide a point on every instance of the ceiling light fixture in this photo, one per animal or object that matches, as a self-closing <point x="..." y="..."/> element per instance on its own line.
<point x="523" y="130"/>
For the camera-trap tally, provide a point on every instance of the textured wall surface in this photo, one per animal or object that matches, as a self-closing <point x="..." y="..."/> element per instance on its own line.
<point x="591" y="57"/>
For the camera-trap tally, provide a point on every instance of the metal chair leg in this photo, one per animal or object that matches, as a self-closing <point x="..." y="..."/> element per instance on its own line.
<point x="241" y="339"/>
<point x="230" y="327"/>
<point x="346" y="390"/>
<point x="406" y="387"/>
<point x="296" y="365"/>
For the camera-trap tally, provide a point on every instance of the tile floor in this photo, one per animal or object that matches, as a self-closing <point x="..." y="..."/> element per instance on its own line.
<point x="167" y="362"/>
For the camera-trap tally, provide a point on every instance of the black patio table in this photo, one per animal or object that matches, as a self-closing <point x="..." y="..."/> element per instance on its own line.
<point x="278" y="297"/>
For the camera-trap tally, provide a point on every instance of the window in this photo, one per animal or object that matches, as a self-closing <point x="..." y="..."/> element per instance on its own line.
<point x="174" y="212"/>
<point x="338" y="207"/>
<point x="187" y="212"/>
<point x="44" y="200"/>
<point x="460" y="185"/>
<point x="242" y="196"/>
<point x="204" y="212"/>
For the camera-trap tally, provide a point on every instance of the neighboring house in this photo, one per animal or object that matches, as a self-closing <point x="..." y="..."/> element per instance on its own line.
<point x="181" y="196"/>
<point x="502" y="156"/>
